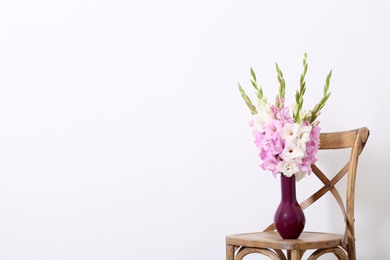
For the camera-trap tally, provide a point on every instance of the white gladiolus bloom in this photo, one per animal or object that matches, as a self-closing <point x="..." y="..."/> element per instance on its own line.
<point x="263" y="116"/>
<point x="298" y="134"/>
<point x="304" y="133"/>
<point x="288" y="168"/>
<point x="296" y="137"/>
<point x="293" y="152"/>
<point x="289" y="133"/>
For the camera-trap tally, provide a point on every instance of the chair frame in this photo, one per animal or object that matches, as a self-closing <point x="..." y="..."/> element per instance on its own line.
<point x="269" y="242"/>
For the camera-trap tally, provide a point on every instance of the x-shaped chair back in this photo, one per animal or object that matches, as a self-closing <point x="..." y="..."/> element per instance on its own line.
<point x="355" y="140"/>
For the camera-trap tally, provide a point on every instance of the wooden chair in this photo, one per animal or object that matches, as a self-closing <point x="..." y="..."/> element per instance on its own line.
<point x="269" y="242"/>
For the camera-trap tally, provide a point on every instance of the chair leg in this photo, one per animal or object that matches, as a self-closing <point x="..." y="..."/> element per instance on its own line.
<point x="295" y="255"/>
<point x="229" y="252"/>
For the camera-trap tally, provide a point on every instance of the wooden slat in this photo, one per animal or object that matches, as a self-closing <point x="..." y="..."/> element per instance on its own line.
<point x="338" y="140"/>
<point x="306" y="241"/>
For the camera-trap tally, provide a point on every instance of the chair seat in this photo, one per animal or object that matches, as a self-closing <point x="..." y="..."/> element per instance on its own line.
<point x="272" y="239"/>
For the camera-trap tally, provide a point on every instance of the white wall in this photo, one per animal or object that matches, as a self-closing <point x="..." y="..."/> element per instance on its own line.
<point x="123" y="135"/>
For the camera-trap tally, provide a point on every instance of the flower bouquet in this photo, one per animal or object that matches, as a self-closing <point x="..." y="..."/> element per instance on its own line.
<point x="288" y="140"/>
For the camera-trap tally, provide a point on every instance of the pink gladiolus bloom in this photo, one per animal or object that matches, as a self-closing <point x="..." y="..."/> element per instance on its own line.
<point x="273" y="127"/>
<point x="270" y="163"/>
<point x="315" y="134"/>
<point x="284" y="116"/>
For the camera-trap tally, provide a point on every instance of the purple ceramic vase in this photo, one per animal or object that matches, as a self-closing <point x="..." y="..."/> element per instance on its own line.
<point x="289" y="218"/>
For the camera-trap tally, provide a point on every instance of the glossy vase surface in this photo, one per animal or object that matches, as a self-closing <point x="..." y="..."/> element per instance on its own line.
<point x="289" y="218"/>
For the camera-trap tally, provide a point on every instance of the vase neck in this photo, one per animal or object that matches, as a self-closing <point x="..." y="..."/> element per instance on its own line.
<point x="288" y="188"/>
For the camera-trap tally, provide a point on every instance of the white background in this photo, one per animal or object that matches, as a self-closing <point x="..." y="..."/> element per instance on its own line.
<point x="123" y="135"/>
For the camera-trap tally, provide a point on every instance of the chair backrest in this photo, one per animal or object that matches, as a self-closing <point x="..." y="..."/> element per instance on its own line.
<point x="355" y="140"/>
